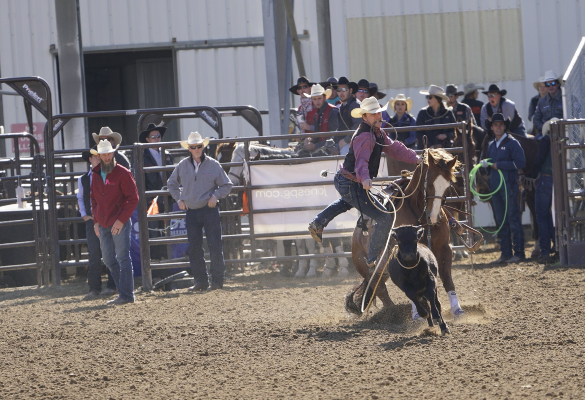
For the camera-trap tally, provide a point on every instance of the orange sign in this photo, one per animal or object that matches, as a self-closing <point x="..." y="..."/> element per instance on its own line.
<point x="24" y="144"/>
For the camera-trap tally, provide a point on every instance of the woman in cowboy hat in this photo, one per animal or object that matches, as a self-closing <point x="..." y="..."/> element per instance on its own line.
<point x="507" y="157"/>
<point x="303" y="86"/>
<point x="196" y="184"/>
<point x="354" y="177"/>
<point x="116" y="140"/>
<point x="551" y="105"/>
<point x="401" y="106"/>
<point x="471" y="92"/>
<point x="434" y="114"/>
<point x="497" y="103"/>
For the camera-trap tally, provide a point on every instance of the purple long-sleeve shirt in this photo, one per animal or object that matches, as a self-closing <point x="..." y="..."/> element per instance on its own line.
<point x="364" y="144"/>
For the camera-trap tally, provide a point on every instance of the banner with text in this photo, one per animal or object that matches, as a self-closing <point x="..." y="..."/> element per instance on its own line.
<point x="24" y="144"/>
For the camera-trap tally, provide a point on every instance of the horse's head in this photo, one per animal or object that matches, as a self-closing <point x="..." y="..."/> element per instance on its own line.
<point x="441" y="171"/>
<point x="235" y="173"/>
<point x="224" y="153"/>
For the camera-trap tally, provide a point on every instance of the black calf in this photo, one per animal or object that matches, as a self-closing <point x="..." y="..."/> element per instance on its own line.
<point x="414" y="271"/>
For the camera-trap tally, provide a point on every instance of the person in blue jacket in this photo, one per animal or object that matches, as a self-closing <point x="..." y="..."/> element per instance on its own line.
<point x="507" y="156"/>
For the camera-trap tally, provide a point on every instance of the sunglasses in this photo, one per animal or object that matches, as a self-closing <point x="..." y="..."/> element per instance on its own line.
<point x="343" y="89"/>
<point x="155" y="136"/>
<point x="429" y="96"/>
<point x="364" y="90"/>
<point x="199" y="146"/>
<point x="303" y="86"/>
<point x="492" y="95"/>
<point x="549" y="84"/>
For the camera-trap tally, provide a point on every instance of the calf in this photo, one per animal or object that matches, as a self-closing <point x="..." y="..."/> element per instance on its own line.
<point x="414" y="269"/>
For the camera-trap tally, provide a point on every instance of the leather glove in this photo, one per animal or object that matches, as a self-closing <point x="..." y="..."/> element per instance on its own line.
<point x="484" y="163"/>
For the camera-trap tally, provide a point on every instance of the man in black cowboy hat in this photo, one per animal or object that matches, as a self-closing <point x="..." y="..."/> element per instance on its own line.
<point x="364" y="90"/>
<point x="507" y="156"/>
<point x="303" y="86"/>
<point x="94" y="269"/>
<point x="346" y="91"/>
<point x="333" y="98"/>
<point x="153" y="157"/>
<point x="497" y="103"/>
<point x="461" y="111"/>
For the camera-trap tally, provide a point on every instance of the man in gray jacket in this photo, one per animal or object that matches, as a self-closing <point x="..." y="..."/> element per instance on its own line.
<point x="551" y="105"/>
<point x="196" y="184"/>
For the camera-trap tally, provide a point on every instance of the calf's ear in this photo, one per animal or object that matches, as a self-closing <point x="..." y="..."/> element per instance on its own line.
<point x="420" y="232"/>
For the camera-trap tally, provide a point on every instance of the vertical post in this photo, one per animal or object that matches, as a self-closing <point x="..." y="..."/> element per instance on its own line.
<point x="290" y="18"/>
<point x="324" y="38"/>
<point x="560" y="178"/>
<point x="138" y="162"/>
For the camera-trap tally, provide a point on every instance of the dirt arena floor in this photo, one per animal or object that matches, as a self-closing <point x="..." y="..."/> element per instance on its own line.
<point x="270" y="337"/>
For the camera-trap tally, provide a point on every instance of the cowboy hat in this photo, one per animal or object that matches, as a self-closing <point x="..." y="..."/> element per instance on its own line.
<point x="452" y="89"/>
<point x="435" y="90"/>
<point x="370" y="106"/>
<point x="344" y="81"/>
<point x="495" y="89"/>
<point x="106" y="131"/>
<point x="317" y="90"/>
<point x="495" y="118"/>
<point x="329" y="82"/>
<point x="364" y="83"/>
<point x="550" y="76"/>
<point x="538" y="82"/>
<point x="374" y="91"/>
<point x="194" y="138"/>
<point x="546" y="126"/>
<point x="150" y="128"/>
<point x="86" y="154"/>
<point x="470" y="88"/>
<point x="401" y="97"/>
<point x="301" y="80"/>
<point x="103" y="147"/>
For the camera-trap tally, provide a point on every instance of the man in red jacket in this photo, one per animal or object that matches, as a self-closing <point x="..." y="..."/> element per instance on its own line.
<point x="113" y="199"/>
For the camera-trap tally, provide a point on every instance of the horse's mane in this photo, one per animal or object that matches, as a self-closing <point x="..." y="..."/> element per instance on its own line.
<point x="441" y="159"/>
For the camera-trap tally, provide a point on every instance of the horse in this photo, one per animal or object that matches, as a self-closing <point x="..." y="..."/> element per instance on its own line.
<point x="529" y="145"/>
<point x="422" y="197"/>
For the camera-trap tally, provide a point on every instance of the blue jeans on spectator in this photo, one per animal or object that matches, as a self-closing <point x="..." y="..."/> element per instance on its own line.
<point x="94" y="270"/>
<point x="543" y="202"/>
<point x="116" y="254"/>
<point x="198" y="219"/>
<point x="512" y="228"/>
<point x="354" y="195"/>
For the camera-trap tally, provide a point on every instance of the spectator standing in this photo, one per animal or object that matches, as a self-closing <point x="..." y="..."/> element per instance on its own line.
<point x="333" y="98"/>
<point x="461" y="111"/>
<point x="346" y="91"/>
<point x="542" y="171"/>
<point x="541" y="89"/>
<point x="471" y="92"/>
<point x="197" y="183"/>
<point x="153" y="157"/>
<point x="354" y="177"/>
<point x="434" y="114"/>
<point x="303" y="86"/>
<point x="402" y="117"/>
<point x="551" y="105"/>
<point x="116" y="140"/>
<point x="497" y="103"/>
<point x="94" y="269"/>
<point x="113" y="199"/>
<point x="507" y="156"/>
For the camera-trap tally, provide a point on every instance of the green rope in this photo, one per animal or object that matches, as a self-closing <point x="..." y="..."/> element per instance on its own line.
<point x="487" y="197"/>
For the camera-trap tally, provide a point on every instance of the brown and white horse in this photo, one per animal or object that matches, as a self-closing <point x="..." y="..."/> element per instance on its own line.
<point x="422" y="205"/>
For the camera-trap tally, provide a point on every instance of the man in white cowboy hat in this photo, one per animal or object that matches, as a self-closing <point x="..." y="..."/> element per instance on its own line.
<point x="551" y="105"/>
<point x="197" y="183"/>
<point x="402" y="117"/>
<point x="324" y="117"/>
<point x="542" y="91"/>
<point x="94" y="269"/>
<point x="470" y="94"/>
<point x="116" y="140"/>
<point x="354" y="177"/>
<point x="497" y="103"/>
<point x="434" y="114"/>
<point x="113" y="199"/>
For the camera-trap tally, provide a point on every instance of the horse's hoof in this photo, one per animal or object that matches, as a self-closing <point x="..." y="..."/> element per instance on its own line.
<point x="445" y="330"/>
<point x="458" y="313"/>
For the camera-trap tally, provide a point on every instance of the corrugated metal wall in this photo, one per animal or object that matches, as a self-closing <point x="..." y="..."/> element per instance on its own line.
<point x="550" y="32"/>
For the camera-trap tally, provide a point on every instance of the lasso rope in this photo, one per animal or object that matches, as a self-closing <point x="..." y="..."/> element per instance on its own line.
<point x="488" y="196"/>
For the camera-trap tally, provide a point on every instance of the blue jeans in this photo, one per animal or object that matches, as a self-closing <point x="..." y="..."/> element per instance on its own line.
<point x="116" y="254"/>
<point x="198" y="219"/>
<point x="354" y="195"/>
<point x="94" y="270"/>
<point x="543" y="202"/>
<point x="512" y="228"/>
